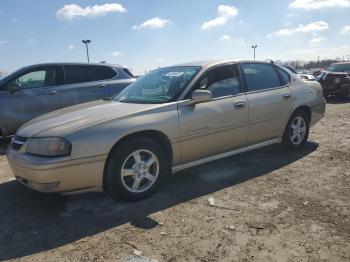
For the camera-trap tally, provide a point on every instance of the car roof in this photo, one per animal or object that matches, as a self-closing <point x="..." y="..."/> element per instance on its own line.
<point x="341" y="63"/>
<point x="211" y="63"/>
<point x="73" y="63"/>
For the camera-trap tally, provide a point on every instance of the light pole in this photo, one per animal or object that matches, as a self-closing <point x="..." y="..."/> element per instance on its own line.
<point x="348" y="58"/>
<point x="254" y="47"/>
<point x="86" y="42"/>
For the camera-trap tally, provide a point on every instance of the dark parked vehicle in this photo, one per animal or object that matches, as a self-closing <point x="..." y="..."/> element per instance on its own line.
<point x="39" y="89"/>
<point x="335" y="79"/>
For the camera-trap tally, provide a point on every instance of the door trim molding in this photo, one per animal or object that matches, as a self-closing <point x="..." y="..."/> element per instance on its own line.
<point x="176" y="169"/>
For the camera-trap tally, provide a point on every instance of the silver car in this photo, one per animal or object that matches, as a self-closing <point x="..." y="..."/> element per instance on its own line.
<point x="40" y="89"/>
<point x="171" y="119"/>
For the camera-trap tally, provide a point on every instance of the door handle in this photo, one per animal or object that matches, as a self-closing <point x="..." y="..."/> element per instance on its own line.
<point x="52" y="92"/>
<point x="102" y="86"/>
<point x="240" y="104"/>
<point x="287" y="95"/>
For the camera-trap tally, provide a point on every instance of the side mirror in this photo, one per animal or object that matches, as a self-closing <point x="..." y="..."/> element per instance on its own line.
<point x="201" y="96"/>
<point x="13" y="87"/>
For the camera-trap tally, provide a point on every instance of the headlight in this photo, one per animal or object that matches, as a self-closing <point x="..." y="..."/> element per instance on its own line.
<point x="51" y="146"/>
<point x="337" y="80"/>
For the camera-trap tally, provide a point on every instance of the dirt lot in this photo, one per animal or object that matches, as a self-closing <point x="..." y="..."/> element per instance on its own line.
<point x="270" y="205"/>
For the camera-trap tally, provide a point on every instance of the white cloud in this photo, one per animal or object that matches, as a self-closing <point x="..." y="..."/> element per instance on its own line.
<point x="117" y="53"/>
<point x="317" y="40"/>
<point x="235" y="40"/>
<point x="309" y="28"/>
<point x="2" y="42"/>
<point x="159" y="60"/>
<point x="318" y="4"/>
<point x="240" y="41"/>
<point x="32" y="40"/>
<point x="71" y="47"/>
<point x="70" y="12"/>
<point x="301" y="51"/>
<point x="224" y="37"/>
<point x="226" y="13"/>
<point x="345" y="30"/>
<point x="153" y="23"/>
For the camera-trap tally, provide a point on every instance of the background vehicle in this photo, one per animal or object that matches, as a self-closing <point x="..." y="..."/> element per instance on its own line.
<point x="307" y="76"/>
<point x="335" y="79"/>
<point x="39" y="89"/>
<point x="171" y="119"/>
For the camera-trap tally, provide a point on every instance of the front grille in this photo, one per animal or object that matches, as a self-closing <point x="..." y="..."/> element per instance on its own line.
<point x="17" y="142"/>
<point x="328" y="82"/>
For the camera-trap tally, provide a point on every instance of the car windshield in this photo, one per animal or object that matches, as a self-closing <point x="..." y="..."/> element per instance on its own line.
<point x="339" y="68"/>
<point x="159" y="86"/>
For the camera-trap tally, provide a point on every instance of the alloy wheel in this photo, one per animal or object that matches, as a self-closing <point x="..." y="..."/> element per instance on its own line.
<point x="140" y="171"/>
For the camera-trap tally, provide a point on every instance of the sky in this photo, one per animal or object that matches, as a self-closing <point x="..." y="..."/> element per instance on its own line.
<point x="146" y="34"/>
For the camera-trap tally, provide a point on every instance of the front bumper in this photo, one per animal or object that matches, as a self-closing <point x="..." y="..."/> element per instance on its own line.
<point x="337" y="89"/>
<point x="58" y="175"/>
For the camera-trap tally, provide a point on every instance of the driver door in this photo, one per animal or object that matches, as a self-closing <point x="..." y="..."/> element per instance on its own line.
<point x="29" y="95"/>
<point x="217" y="126"/>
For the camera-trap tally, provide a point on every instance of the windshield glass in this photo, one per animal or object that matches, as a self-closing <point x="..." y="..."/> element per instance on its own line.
<point x="339" y="68"/>
<point x="159" y="86"/>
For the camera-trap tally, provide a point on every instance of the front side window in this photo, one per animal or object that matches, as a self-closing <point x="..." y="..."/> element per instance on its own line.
<point x="260" y="76"/>
<point x="74" y="74"/>
<point x="159" y="86"/>
<point x="221" y="81"/>
<point x="43" y="77"/>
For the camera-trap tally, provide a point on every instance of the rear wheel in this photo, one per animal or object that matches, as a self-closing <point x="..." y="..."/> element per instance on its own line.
<point x="297" y="131"/>
<point x="135" y="169"/>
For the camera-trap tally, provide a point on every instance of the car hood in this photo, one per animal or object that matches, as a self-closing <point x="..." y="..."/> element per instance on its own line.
<point x="70" y="119"/>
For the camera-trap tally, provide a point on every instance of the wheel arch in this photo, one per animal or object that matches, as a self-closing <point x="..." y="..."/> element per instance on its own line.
<point x="155" y="135"/>
<point x="305" y="109"/>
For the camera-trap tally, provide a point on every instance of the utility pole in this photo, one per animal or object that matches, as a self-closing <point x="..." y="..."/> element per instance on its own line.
<point x="87" y="42"/>
<point x="254" y="47"/>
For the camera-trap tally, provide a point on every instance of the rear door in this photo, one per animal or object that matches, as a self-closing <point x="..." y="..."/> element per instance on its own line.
<point x="38" y="93"/>
<point x="270" y="100"/>
<point x="82" y="85"/>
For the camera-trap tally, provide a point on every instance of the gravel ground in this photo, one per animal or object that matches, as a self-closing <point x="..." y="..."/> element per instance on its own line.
<point x="270" y="205"/>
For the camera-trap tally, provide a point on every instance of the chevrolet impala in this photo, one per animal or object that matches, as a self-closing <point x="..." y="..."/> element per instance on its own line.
<point x="170" y="119"/>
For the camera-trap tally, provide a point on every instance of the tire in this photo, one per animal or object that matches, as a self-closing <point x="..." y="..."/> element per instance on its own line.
<point x="297" y="131"/>
<point x="140" y="179"/>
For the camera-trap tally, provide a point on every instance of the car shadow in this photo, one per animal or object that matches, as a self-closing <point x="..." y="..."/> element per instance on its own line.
<point x="32" y="222"/>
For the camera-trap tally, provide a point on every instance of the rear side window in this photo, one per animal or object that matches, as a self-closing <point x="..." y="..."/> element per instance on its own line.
<point x="105" y="73"/>
<point x="285" y="77"/>
<point x="79" y="74"/>
<point x="128" y="72"/>
<point x="260" y="76"/>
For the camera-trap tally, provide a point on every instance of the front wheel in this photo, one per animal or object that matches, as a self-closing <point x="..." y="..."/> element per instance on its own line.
<point x="135" y="169"/>
<point x="297" y="131"/>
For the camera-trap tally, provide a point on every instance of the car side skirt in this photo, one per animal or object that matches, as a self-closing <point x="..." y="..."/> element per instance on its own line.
<point x="226" y="154"/>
